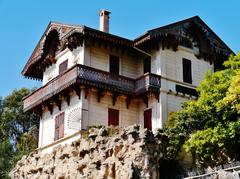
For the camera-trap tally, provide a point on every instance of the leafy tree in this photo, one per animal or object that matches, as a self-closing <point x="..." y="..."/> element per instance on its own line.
<point x="17" y="121"/>
<point x="18" y="130"/>
<point x="6" y="152"/>
<point x="209" y="126"/>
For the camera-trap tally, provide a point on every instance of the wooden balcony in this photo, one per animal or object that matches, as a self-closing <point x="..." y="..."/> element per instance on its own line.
<point x="91" y="77"/>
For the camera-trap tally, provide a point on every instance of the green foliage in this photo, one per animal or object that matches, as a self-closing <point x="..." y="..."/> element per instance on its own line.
<point x="171" y="119"/>
<point x="18" y="130"/>
<point x="216" y="145"/>
<point x="209" y="126"/>
<point x="6" y="152"/>
<point x="16" y="121"/>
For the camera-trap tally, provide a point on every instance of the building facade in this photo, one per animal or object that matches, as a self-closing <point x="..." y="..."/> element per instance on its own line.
<point x="91" y="77"/>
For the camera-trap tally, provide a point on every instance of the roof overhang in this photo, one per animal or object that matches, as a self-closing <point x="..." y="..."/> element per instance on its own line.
<point x="59" y="36"/>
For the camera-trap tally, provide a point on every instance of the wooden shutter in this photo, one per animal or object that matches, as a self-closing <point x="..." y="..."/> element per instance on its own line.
<point x="148" y="119"/>
<point x="56" y="135"/>
<point x="59" y="126"/>
<point x="114" y="64"/>
<point x="113" y="117"/>
<point x="187" y="70"/>
<point x="147" y="65"/>
<point x="63" y="66"/>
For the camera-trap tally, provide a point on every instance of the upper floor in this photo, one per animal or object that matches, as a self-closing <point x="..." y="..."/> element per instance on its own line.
<point x="177" y="53"/>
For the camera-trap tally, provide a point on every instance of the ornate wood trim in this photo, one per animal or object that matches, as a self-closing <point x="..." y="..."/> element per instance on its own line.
<point x="81" y="75"/>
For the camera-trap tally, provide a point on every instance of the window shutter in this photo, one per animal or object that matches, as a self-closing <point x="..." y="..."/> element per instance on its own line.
<point x="63" y="66"/>
<point x="113" y="117"/>
<point x="59" y="126"/>
<point x="56" y="135"/>
<point x="187" y="70"/>
<point x="114" y="64"/>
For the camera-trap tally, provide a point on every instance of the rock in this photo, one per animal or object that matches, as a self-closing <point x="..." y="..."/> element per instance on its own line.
<point x="132" y="152"/>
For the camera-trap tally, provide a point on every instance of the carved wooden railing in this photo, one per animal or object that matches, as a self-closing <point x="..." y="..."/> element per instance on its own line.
<point x="106" y="80"/>
<point x="95" y="78"/>
<point x="50" y="89"/>
<point x="148" y="82"/>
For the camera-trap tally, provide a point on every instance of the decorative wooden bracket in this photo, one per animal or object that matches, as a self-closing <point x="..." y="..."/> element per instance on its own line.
<point x="156" y="94"/>
<point x="58" y="102"/>
<point x="114" y="98"/>
<point x="50" y="107"/>
<point x="129" y="98"/>
<point x="145" y="99"/>
<point x="38" y="112"/>
<point x="67" y="97"/>
<point x="78" y="91"/>
<point x="100" y="94"/>
<point x="86" y="92"/>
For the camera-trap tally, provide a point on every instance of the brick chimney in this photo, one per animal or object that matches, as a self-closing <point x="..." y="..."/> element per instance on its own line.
<point x="104" y="20"/>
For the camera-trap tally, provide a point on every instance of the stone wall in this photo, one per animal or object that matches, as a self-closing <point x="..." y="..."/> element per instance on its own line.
<point x="132" y="152"/>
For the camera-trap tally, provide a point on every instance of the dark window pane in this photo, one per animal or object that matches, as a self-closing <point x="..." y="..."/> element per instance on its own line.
<point x="187" y="70"/>
<point x="63" y="66"/>
<point x="114" y="64"/>
<point x="147" y="65"/>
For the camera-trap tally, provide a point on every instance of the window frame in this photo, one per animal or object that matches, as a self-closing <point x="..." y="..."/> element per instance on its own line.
<point x="63" y="67"/>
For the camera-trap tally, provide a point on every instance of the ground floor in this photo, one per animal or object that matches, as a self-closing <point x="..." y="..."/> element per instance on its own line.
<point x="79" y="112"/>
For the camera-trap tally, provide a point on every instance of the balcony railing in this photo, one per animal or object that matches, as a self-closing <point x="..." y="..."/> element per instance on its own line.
<point x="95" y="78"/>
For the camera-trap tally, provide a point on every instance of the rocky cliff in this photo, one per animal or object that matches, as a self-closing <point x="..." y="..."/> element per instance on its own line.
<point x="132" y="152"/>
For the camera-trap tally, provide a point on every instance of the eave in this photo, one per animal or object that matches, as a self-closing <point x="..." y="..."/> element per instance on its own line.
<point x="33" y="68"/>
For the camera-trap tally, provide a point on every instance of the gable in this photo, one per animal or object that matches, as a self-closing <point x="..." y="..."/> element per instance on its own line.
<point x="59" y="36"/>
<point x="190" y="32"/>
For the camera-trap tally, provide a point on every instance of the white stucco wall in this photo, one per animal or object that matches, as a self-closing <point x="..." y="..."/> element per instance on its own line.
<point x="98" y="57"/>
<point x="73" y="57"/>
<point x="98" y="111"/>
<point x="166" y="63"/>
<point x="47" y="124"/>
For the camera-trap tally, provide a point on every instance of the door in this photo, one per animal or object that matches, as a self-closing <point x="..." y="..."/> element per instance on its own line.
<point x="148" y="119"/>
<point x="113" y="117"/>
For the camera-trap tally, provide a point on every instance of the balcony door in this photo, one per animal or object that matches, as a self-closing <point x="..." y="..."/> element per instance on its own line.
<point x="113" y="117"/>
<point x="148" y="119"/>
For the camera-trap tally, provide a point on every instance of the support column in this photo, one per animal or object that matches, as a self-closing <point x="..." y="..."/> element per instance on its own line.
<point x="40" y="132"/>
<point x="85" y="109"/>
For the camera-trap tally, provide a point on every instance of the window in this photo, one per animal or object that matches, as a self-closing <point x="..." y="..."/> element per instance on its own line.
<point x="148" y="119"/>
<point x="114" y="64"/>
<point x="59" y="126"/>
<point x="147" y="65"/>
<point x="187" y="70"/>
<point x="113" y="117"/>
<point x="63" y="66"/>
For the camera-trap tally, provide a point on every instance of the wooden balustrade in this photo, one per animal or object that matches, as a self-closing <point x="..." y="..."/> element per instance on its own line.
<point x="92" y="77"/>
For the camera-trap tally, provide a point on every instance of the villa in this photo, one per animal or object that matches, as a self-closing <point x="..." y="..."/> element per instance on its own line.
<point x="92" y="77"/>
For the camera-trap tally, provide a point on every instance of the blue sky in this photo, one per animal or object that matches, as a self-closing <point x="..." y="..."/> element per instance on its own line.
<point x="22" y="22"/>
